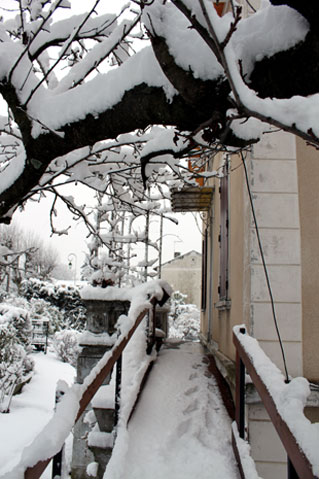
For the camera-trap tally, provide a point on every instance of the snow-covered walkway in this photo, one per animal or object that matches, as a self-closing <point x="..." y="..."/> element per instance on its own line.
<point x="32" y="409"/>
<point x="180" y="429"/>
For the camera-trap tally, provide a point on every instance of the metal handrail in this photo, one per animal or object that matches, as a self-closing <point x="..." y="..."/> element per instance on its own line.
<point x="35" y="471"/>
<point x="299" y="466"/>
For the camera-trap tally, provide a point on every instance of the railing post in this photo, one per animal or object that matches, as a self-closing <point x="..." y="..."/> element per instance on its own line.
<point x="292" y="474"/>
<point x="240" y="393"/>
<point x="58" y="458"/>
<point x="118" y="382"/>
<point x="151" y="329"/>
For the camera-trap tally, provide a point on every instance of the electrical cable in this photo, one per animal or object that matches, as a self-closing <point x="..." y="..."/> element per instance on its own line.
<point x="265" y="268"/>
<point x="251" y="6"/>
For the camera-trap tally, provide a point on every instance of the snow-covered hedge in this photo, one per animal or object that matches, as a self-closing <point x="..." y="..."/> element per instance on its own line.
<point x="39" y="309"/>
<point x="66" y="298"/>
<point x="15" y="346"/>
<point x="66" y="345"/>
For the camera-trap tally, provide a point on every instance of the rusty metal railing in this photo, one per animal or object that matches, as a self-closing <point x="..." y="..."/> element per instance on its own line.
<point x="299" y="464"/>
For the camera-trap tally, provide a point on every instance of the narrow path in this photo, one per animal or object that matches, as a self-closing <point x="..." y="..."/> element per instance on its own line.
<point x="180" y="429"/>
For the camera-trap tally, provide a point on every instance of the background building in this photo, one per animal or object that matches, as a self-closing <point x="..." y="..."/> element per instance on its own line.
<point x="183" y="273"/>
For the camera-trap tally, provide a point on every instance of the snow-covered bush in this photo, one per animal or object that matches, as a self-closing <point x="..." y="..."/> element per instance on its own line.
<point x="18" y="321"/>
<point x="66" y="298"/>
<point x="177" y="303"/>
<point x="3" y="294"/>
<point x="66" y="345"/>
<point x="42" y="310"/>
<point x="15" y="346"/>
<point x="184" y="319"/>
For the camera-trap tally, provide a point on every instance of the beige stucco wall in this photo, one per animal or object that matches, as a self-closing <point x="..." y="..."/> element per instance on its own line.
<point x="272" y="172"/>
<point x="274" y="185"/>
<point x="308" y="181"/>
<point x="184" y="274"/>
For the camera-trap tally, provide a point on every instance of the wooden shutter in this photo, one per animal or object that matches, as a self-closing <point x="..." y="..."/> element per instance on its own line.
<point x="224" y="243"/>
<point x="204" y="272"/>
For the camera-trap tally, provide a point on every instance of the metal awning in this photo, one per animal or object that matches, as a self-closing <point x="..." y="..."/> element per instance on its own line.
<point x="191" y="199"/>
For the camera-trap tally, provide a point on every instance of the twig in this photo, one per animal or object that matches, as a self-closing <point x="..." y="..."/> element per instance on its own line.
<point x="64" y="50"/>
<point x="50" y="13"/>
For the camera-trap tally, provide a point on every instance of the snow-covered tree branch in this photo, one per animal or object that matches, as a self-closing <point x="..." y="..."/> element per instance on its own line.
<point x="74" y="86"/>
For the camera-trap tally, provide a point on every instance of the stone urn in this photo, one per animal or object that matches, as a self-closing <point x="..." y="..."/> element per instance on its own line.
<point x="100" y="336"/>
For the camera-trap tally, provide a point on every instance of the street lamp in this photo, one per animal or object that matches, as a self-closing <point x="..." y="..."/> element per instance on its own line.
<point x="71" y="257"/>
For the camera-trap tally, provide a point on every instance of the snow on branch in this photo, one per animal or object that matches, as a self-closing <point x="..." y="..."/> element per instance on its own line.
<point x="97" y="55"/>
<point x="72" y="85"/>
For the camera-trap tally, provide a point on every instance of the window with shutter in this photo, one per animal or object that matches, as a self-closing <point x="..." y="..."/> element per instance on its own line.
<point x="224" y="237"/>
<point x="204" y="272"/>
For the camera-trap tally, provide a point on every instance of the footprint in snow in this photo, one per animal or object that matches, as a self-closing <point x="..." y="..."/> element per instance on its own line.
<point x="191" y="390"/>
<point x="193" y="406"/>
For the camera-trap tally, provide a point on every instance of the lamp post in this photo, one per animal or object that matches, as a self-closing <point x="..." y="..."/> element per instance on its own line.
<point x="177" y="241"/>
<point x="71" y="257"/>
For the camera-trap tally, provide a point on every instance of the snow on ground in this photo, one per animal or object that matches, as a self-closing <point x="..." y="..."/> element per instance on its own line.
<point x="180" y="429"/>
<point x="32" y="409"/>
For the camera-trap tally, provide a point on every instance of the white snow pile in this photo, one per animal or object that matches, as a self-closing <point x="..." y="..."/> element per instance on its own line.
<point x="183" y="42"/>
<point x="30" y="411"/>
<point x="290" y="399"/>
<point x="247" y="462"/>
<point x="139" y="296"/>
<point x="87" y="337"/>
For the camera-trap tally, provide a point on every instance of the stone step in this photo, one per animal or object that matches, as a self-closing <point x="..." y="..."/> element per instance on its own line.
<point x="101" y="445"/>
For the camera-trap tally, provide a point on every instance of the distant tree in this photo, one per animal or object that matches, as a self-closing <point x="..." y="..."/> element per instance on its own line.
<point x="43" y="259"/>
<point x="24" y="254"/>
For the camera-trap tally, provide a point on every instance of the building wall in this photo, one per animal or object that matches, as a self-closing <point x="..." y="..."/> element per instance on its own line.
<point x="308" y="181"/>
<point x="184" y="274"/>
<point x="272" y="171"/>
<point x="274" y="185"/>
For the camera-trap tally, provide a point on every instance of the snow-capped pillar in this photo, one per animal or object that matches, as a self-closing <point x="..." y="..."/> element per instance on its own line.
<point x="100" y="332"/>
<point x="99" y="337"/>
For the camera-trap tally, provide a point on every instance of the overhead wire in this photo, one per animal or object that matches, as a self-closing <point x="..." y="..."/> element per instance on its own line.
<point x="265" y="267"/>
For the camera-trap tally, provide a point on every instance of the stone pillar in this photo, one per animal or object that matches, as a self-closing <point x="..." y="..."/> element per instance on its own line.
<point x="101" y="318"/>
